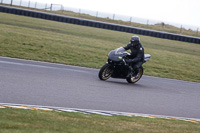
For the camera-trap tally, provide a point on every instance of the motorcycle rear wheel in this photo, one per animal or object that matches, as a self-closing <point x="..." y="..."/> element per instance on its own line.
<point x="105" y="72"/>
<point x="136" y="78"/>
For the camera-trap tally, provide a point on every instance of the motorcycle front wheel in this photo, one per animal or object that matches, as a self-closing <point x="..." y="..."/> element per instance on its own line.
<point x="105" y="72"/>
<point x="136" y="78"/>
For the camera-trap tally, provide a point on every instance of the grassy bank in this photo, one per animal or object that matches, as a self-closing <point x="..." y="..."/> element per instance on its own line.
<point x="36" y="39"/>
<point x="159" y="26"/>
<point x="23" y="121"/>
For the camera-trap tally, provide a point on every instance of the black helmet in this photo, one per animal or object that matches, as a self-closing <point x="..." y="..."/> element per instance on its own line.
<point x="135" y="39"/>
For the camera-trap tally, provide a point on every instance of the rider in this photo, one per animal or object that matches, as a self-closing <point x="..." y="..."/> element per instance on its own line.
<point x="136" y="58"/>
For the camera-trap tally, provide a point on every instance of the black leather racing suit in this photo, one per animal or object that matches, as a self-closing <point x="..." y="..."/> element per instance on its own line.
<point x="136" y="57"/>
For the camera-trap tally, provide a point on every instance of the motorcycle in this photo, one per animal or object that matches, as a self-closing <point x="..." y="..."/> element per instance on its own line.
<point x="117" y="67"/>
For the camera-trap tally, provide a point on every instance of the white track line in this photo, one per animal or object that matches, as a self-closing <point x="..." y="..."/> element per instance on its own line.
<point x="89" y="111"/>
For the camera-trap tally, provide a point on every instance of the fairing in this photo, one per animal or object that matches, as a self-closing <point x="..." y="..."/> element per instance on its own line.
<point x="117" y="54"/>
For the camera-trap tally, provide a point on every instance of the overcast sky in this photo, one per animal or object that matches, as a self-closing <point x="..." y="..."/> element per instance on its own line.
<point x="177" y="11"/>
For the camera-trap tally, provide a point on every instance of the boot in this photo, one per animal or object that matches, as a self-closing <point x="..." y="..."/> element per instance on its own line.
<point x="130" y="72"/>
<point x="135" y="73"/>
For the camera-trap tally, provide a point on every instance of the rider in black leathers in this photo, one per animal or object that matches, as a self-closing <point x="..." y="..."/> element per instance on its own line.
<point x="136" y="58"/>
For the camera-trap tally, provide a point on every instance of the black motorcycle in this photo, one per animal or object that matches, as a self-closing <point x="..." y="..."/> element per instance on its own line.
<point x="117" y="67"/>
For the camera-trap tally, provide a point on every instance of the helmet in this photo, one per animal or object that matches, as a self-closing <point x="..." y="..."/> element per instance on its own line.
<point x="135" y="39"/>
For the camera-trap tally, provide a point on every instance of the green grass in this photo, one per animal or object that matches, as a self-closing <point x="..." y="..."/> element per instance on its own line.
<point x="37" y="39"/>
<point x="28" y="121"/>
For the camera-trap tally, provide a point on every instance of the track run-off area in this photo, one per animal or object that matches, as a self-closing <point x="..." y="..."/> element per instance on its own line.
<point x="57" y="85"/>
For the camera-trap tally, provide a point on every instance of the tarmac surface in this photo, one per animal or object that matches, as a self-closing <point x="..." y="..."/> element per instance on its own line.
<point x="49" y="84"/>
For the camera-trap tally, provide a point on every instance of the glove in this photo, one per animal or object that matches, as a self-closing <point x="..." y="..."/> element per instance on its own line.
<point x="129" y="60"/>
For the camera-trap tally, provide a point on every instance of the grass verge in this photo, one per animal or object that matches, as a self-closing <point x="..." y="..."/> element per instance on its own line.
<point x="23" y="121"/>
<point x="37" y="39"/>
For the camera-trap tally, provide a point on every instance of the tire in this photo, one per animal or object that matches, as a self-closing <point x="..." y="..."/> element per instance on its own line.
<point x="105" y="72"/>
<point x="136" y="78"/>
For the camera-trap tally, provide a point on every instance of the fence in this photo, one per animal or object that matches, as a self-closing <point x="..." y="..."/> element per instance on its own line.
<point x="113" y="16"/>
<point x="97" y="24"/>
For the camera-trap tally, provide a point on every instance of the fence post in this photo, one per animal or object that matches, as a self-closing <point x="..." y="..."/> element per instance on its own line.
<point x="97" y="14"/>
<point x="11" y="3"/>
<point x="45" y="7"/>
<point x="51" y="7"/>
<point x="79" y="12"/>
<point x="29" y="4"/>
<point x="35" y="4"/>
<point x="62" y="8"/>
<point x="181" y="29"/>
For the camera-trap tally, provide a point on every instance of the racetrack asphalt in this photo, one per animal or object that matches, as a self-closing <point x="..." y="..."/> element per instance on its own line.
<point x="50" y="84"/>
